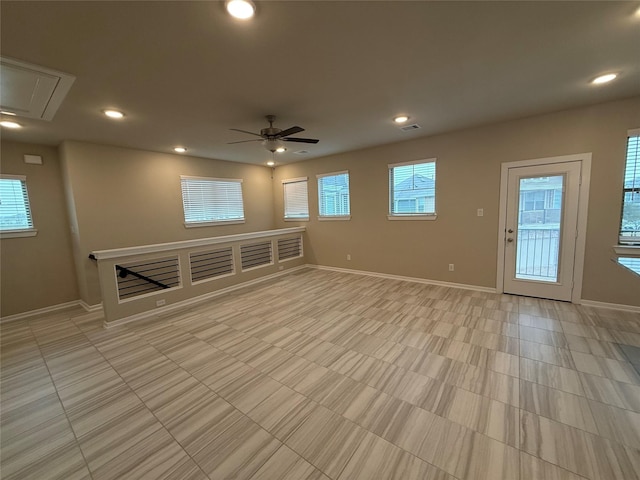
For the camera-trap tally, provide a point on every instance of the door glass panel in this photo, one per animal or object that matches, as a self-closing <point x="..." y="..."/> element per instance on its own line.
<point x="538" y="236"/>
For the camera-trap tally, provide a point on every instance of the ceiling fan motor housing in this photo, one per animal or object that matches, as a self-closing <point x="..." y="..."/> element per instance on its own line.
<point x="270" y="132"/>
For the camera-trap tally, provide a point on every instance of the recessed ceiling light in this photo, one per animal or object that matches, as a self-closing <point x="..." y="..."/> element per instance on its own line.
<point x="281" y="150"/>
<point x="8" y="124"/>
<point x="604" y="78"/>
<point x="400" y="119"/>
<point x="113" y="113"/>
<point x="180" y="149"/>
<point x="242" y="9"/>
<point x="271" y="163"/>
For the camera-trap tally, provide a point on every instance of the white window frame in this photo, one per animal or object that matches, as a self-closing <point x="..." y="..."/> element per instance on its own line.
<point x="631" y="243"/>
<point x="209" y="223"/>
<point x="324" y="217"/>
<point x="411" y="216"/>
<point x="289" y="181"/>
<point x="30" y="231"/>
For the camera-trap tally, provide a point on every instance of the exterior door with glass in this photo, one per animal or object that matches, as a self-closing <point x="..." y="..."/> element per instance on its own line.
<point x="541" y="230"/>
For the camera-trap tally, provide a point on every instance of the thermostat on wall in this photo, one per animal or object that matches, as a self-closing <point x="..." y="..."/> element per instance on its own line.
<point x="33" y="159"/>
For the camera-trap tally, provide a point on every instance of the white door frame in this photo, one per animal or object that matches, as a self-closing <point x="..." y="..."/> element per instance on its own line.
<point x="583" y="203"/>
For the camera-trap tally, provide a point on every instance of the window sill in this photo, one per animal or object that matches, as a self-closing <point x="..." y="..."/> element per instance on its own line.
<point x="412" y="217"/>
<point x="627" y="249"/>
<point x="338" y="218"/>
<point x="213" y="224"/>
<point x="301" y="219"/>
<point x="31" y="232"/>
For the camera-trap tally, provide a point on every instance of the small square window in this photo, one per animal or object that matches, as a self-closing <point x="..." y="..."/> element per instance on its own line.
<point x="630" y="222"/>
<point x="211" y="201"/>
<point x="15" y="211"/>
<point x="333" y="195"/>
<point x="412" y="189"/>
<point x="296" y="201"/>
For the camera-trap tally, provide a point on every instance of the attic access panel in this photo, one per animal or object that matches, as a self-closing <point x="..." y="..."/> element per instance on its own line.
<point x="32" y="91"/>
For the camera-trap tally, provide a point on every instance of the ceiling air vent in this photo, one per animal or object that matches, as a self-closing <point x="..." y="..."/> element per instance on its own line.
<point x="301" y="152"/>
<point x="408" y="128"/>
<point x="31" y="91"/>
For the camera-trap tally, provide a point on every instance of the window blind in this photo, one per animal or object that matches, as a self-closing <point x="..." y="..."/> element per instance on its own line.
<point x="15" y="212"/>
<point x="412" y="188"/>
<point x="630" y="224"/>
<point x="296" y="202"/>
<point x="210" y="200"/>
<point x="333" y="195"/>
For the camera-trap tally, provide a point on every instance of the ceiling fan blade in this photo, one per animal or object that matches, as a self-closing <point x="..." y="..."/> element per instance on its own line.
<point x="244" y="131"/>
<point x="245" y="141"/>
<point x="301" y="140"/>
<point x="290" y="131"/>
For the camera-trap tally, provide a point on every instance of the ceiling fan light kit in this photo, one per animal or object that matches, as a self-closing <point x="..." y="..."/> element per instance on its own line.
<point x="273" y="145"/>
<point x="272" y="137"/>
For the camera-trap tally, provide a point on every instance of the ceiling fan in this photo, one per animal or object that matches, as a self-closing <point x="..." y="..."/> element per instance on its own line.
<point x="273" y="137"/>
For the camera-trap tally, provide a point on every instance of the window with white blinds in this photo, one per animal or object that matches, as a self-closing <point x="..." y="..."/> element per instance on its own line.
<point x="412" y="189"/>
<point x="15" y="212"/>
<point x="333" y="195"/>
<point x="630" y="223"/>
<point x="296" y="200"/>
<point x="208" y="201"/>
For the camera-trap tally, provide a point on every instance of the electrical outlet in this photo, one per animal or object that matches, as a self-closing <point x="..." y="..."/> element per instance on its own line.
<point x="481" y="212"/>
<point x="451" y="267"/>
<point x="348" y="256"/>
<point x="160" y="303"/>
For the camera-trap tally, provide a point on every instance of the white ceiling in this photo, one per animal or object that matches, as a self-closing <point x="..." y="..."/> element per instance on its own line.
<point x="185" y="72"/>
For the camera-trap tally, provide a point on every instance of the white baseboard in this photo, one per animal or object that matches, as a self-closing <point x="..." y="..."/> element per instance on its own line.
<point x="406" y="279"/>
<point x="90" y="308"/>
<point x="199" y="299"/>
<point x="610" y="306"/>
<point x="39" y="311"/>
<point x="52" y="309"/>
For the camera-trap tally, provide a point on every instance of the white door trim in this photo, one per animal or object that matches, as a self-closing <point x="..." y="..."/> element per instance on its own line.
<point x="583" y="203"/>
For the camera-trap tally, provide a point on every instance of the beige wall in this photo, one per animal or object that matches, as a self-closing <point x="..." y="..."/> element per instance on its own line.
<point x="122" y="197"/>
<point x="37" y="272"/>
<point x="117" y="197"/>
<point x="468" y="178"/>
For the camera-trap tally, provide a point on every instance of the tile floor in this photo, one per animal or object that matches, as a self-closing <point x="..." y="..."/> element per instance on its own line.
<point x="325" y="375"/>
